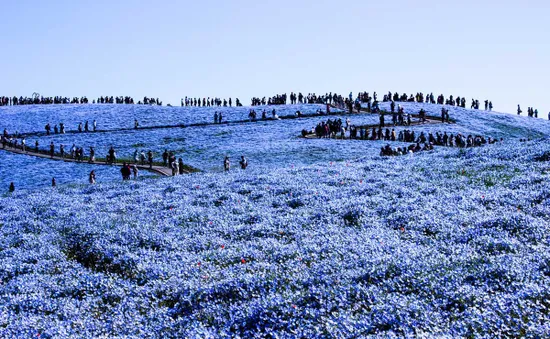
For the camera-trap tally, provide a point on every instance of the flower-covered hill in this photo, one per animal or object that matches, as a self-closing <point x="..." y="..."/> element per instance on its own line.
<point x="268" y="144"/>
<point x="479" y="122"/>
<point x="450" y="243"/>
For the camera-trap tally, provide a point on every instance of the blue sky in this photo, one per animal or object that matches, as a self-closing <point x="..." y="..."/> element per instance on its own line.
<point x="495" y="50"/>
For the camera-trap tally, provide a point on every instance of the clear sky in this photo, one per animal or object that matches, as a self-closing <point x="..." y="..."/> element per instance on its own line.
<point x="487" y="49"/>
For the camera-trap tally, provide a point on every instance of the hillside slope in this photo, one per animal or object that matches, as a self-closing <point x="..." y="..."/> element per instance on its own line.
<point x="448" y="243"/>
<point x="451" y="242"/>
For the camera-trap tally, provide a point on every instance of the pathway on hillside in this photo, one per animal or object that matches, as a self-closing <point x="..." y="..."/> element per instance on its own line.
<point x="429" y="120"/>
<point x="164" y="171"/>
<point x="198" y="124"/>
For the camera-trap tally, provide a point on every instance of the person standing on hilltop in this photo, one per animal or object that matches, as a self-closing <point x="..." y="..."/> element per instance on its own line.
<point x="519" y="110"/>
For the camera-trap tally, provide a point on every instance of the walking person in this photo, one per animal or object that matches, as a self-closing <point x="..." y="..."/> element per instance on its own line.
<point x="150" y="158"/>
<point x="175" y="168"/>
<point x="125" y="171"/>
<point x="92" y="154"/>
<point x="135" y="171"/>
<point x="52" y="149"/>
<point x="165" y="157"/>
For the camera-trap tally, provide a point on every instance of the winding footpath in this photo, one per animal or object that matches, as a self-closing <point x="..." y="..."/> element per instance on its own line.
<point x="418" y="121"/>
<point x="165" y="171"/>
<point x="161" y="170"/>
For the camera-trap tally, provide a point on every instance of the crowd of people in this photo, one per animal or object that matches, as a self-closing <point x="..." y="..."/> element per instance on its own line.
<point x="413" y="148"/>
<point x="127" y="100"/>
<point x="430" y="98"/>
<point x="169" y="160"/>
<point x="531" y="112"/>
<point x="426" y="143"/>
<point x="209" y="102"/>
<point x="40" y="100"/>
<point x="311" y="98"/>
<point x="327" y="129"/>
<point x="76" y="153"/>
<point x="58" y="100"/>
<point x="86" y="127"/>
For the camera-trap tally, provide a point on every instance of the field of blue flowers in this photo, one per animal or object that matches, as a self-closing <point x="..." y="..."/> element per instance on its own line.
<point x="446" y="243"/>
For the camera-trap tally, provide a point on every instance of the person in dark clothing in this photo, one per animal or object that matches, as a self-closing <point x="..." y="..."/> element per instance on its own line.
<point x="112" y="155"/>
<point x="52" y="149"/>
<point x="126" y="172"/>
<point x="12" y="187"/>
<point x="165" y="157"/>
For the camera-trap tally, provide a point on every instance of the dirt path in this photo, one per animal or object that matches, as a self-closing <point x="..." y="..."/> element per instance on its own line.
<point x="164" y="171"/>
<point x="429" y="121"/>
